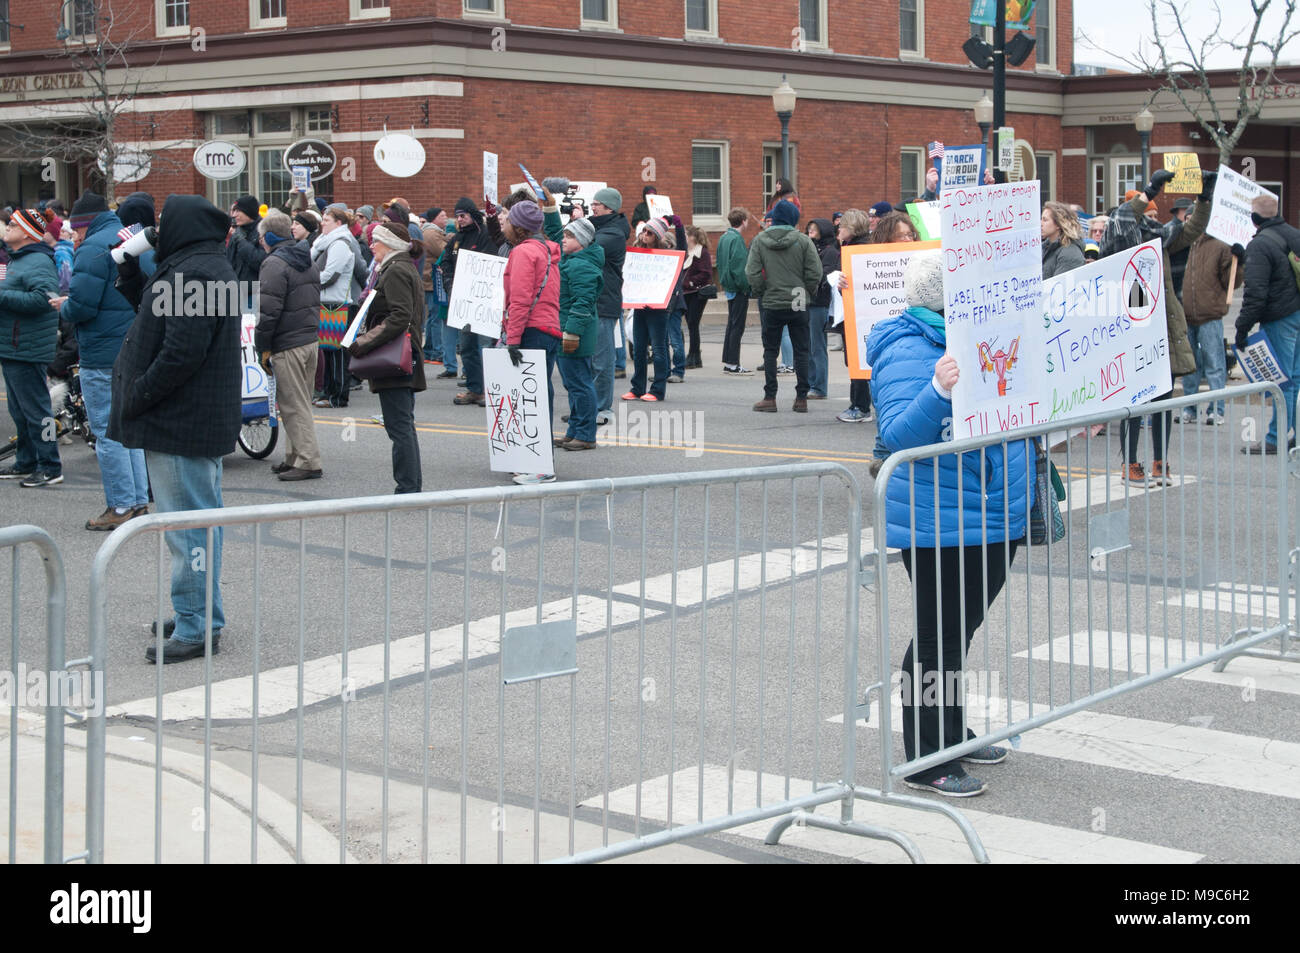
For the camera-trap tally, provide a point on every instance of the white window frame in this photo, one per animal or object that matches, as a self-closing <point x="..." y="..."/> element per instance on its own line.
<point x="69" y="15"/>
<point x="709" y="34"/>
<point x="1050" y="159"/>
<point x="920" y="156"/>
<point x="357" y="12"/>
<point x="1049" y="65"/>
<point x="775" y="149"/>
<point x="724" y="196"/>
<point x="498" y="11"/>
<point x="257" y="22"/>
<point x="822" y="42"/>
<point x="919" y="52"/>
<point x="611" y="23"/>
<point x="160" y="21"/>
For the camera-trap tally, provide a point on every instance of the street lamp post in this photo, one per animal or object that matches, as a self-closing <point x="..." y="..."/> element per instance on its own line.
<point x="984" y="119"/>
<point x="1144" y="121"/>
<point x="783" y="100"/>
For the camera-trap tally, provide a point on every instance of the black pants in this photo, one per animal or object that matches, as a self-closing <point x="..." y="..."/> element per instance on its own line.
<point x="940" y="693"/>
<point x="860" y="394"/>
<point x="737" y="311"/>
<point x="398" y="406"/>
<point x="694" y="311"/>
<point x="1161" y="424"/>
<point x="773" y="321"/>
<point x="336" y="387"/>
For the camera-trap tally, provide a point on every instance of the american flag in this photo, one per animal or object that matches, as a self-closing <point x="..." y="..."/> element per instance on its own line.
<point x="936" y="150"/>
<point x="125" y="233"/>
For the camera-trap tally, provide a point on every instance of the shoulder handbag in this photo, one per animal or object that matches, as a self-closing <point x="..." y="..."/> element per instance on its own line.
<point x="1048" y="492"/>
<point x="707" y="292"/>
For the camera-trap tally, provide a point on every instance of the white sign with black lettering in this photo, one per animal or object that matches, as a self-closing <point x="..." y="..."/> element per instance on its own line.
<point x="518" y="411"/>
<point x="478" y="293"/>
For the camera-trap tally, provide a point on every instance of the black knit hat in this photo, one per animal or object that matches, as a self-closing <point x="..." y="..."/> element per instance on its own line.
<point x="248" y="205"/>
<point x="465" y="204"/>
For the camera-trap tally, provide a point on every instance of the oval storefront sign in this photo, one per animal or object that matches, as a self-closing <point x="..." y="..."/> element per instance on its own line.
<point x="218" y="159"/>
<point x="399" y="155"/>
<point x="313" y="153"/>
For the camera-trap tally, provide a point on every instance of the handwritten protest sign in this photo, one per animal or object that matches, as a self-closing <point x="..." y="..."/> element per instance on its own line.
<point x="993" y="282"/>
<point x="519" y="431"/>
<point x="478" y="293"/>
<point x="875" y="292"/>
<point x="1259" y="361"/>
<point x="1230" y="216"/>
<point x="532" y="183"/>
<point x="660" y="206"/>
<point x="254" y="380"/>
<point x="1105" y="341"/>
<point x="963" y="167"/>
<point x="925" y="216"/>
<point x="1186" y="168"/>
<point x="490" y="176"/>
<point x="359" y="321"/>
<point x="649" y="276"/>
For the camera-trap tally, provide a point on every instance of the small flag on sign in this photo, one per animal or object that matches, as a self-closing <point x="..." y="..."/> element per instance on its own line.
<point x="936" y="150"/>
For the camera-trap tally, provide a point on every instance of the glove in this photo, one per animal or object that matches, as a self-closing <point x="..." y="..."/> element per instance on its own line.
<point x="675" y="219"/>
<point x="488" y="207"/>
<point x="516" y="356"/>
<point x="1239" y="253"/>
<point x="1241" y="340"/>
<point x="265" y="361"/>
<point x="1159" y="179"/>
<point x="1208" y="178"/>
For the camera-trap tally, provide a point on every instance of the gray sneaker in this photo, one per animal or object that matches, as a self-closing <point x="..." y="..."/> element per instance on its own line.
<point x="853" y="416"/>
<point x="989" y="754"/>
<point x="951" y="785"/>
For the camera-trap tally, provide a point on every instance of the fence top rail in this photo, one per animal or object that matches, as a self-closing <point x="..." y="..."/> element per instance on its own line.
<point x="26" y="533"/>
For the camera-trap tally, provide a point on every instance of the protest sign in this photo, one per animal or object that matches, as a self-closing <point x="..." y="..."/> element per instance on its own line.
<point x="1105" y="340"/>
<point x="1187" y="173"/>
<point x="925" y="216"/>
<point x="478" y="293"/>
<point x="836" y="311"/>
<point x="255" y="383"/>
<point x="359" y="321"/>
<point x="650" y="275"/>
<point x="1259" y="361"/>
<point x="875" y="292"/>
<point x="1230" y="215"/>
<point x="532" y="183"/>
<point x="993" y="281"/>
<point x="518" y="411"/>
<point x="660" y="206"/>
<point x="490" y="176"/>
<point x="301" y="177"/>
<point x="963" y="167"/>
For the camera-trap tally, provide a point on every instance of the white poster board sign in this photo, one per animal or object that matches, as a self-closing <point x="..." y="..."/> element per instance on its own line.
<point x="301" y="177"/>
<point x="963" y="167"/>
<point x="660" y="206"/>
<point x="650" y="275"/>
<point x="1259" y="361"/>
<point x="993" y="282"/>
<point x="875" y="292"/>
<point x="490" y="176"/>
<point x="255" y="384"/>
<point x="359" y="321"/>
<point x="1230" y="216"/>
<point x="478" y="293"/>
<point x="1106" y="342"/>
<point x="519" y="433"/>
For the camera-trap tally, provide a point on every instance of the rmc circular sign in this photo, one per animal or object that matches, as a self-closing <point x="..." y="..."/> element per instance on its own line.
<point x="218" y="159"/>
<point x="313" y="153"/>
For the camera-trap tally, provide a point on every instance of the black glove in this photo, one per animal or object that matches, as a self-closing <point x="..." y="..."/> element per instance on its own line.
<point x="1239" y="253"/>
<point x="1241" y="340"/>
<point x="516" y="356"/>
<point x="1159" y="179"/>
<point x="1208" y="178"/>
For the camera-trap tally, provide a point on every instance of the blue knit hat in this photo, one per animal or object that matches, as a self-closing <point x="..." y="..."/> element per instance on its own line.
<point x="785" y="213"/>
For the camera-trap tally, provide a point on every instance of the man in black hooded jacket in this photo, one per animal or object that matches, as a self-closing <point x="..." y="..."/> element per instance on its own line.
<point x="176" y="395"/>
<point x="471" y="235"/>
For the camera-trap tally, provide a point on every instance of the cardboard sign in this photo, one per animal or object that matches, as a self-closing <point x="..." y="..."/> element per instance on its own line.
<point x="478" y="294"/>
<point x="875" y="292"/>
<point x="1105" y="339"/>
<point x="993" y="282"/>
<point x="925" y="216"/>
<point x="1259" y="361"/>
<point x="963" y="167"/>
<point x="659" y="205"/>
<point x="1230" y="215"/>
<point x="490" y="176"/>
<point x="519" y="433"/>
<point x="650" y="275"/>
<point x="1187" y="173"/>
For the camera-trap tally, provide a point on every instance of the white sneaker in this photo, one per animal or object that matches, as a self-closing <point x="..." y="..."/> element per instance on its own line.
<point x="528" y="479"/>
<point x="1215" y="420"/>
<point x="377" y="418"/>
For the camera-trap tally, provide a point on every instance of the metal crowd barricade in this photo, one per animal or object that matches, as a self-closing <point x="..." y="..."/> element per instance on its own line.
<point x="1148" y="582"/>
<point x="54" y="679"/>
<point x="656" y="658"/>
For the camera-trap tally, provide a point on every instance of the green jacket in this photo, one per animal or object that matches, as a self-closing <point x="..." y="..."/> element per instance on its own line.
<point x="782" y="261"/>
<point x="582" y="276"/>
<point x="731" y="262"/>
<point x="29" y="327"/>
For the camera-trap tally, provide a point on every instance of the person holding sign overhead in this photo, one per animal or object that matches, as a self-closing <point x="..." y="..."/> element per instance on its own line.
<point x="471" y="234"/>
<point x="650" y="325"/>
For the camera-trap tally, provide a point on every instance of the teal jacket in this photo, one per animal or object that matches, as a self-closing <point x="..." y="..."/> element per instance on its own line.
<point x="29" y="327"/>
<point x="784" y="268"/>
<point x="582" y="276"/>
<point x="94" y="304"/>
<point x="732" y="255"/>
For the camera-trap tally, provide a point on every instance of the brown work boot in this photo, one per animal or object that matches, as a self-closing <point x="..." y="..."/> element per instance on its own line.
<point x="1160" y="475"/>
<point x="469" y="397"/>
<point x="766" y="406"/>
<point x="108" y="520"/>
<point x="1135" y="474"/>
<point x="575" y="444"/>
<point x="800" y="405"/>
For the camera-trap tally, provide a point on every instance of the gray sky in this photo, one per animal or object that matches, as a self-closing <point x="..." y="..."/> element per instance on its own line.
<point x="1118" y="27"/>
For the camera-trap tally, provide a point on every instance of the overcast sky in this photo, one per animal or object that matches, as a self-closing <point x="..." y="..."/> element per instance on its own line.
<point x="1117" y="27"/>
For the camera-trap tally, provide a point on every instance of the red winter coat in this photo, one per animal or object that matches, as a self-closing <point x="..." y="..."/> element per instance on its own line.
<point x="531" y="261"/>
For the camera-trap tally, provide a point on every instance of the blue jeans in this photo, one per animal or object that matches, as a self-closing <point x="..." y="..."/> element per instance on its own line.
<point x="29" y="406"/>
<point x="533" y="339"/>
<point x="450" y="341"/>
<point x="1284" y="337"/>
<point x="650" y="328"/>
<point x="190" y="483"/>
<point x="1211" y="360"/>
<point x="432" y="328"/>
<point x="620" y="353"/>
<point x="818" y="371"/>
<point x="472" y="358"/>
<point x="126" y="483"/>
<point x="578" y="381"/>
<point x="603" y="364"/>
<point x="676" y="343"/>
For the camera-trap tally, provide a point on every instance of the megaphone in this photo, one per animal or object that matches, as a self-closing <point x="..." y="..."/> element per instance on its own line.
<point x="136" y="245"/>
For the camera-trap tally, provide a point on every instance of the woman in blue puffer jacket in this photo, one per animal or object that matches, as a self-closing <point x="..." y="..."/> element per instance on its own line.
<point x="912" y="381"/>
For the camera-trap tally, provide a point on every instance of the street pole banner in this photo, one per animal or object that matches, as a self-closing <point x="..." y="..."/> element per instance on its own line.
<point x="1186" y="168"/>
<point x="660" y="206"/>
<point x="962" y="167"/>
<point x="519" y="433"/>
<point x="1230" y="216"/>
<point x="875" y="292"/>
<point x="650" y="275"/>
<point x="478" y="293"/>
<point x="993" y="285"/>
<point x="1259" y="361"/>
<point x="1105" y="338"/>
<point x="490" y="176"/>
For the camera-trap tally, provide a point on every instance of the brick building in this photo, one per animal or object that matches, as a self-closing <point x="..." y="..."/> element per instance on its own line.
<point x="631" y="92"/>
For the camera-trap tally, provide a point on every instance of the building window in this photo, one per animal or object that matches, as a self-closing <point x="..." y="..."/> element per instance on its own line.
<point x="1045" y="165"/>
<point x="4" y="22"/>
<point x="772" y="169"/>
<point x="981" y="32"/>
<point x="812" y="21"/>
<point x="911" y="162"/>
<point x="1098" y="188"/>
<point x="702" y="18"/>
<point x="275" y="120"/>
<point x="485" y="8"/>
<point x="911" y="27"/>
<point x="267" y="13"/>
<point x="172" y="17"/>
<point x="79" y="19"/>
<point x="1045" y="48"/>
<point x="273" y="179"/>
<point x="318" y="120"/>
<point x="226" y="191"/>
<point x="600" y="13"/>
<point x="264" y="135"/>
<point x="369" y="9"/>
<point x="709" y="199"/>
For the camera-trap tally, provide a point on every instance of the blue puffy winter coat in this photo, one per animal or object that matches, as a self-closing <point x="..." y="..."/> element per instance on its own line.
<point x="100" y="313"/>
<point x="902" y="352"/>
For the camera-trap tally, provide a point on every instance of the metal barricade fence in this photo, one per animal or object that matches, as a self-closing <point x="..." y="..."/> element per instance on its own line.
<point x="50" y="689"/>
<point x="690" y="640"/>
<point x="1148" y="582"/>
